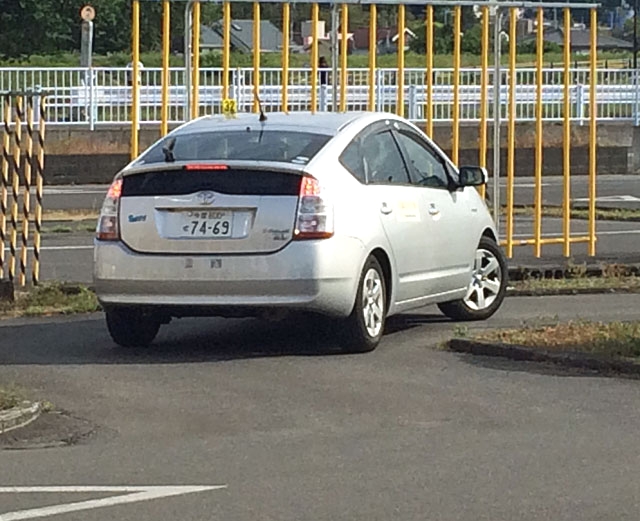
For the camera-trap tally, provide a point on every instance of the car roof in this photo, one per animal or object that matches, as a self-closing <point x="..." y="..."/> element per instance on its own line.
<point x="329" y="123"/>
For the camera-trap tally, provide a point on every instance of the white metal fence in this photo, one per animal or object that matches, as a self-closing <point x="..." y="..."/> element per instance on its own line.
<point x="103" y="96"/>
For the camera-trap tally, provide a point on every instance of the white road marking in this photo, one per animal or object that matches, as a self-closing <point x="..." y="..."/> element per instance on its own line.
<point x="613" y="199"/>
<point x="132" y="495"/>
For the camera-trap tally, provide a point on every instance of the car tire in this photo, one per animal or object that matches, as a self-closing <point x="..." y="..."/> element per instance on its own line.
<point x="131" y="327"/>
<point x="365" y="326"/>
<point x="487" y="287"/>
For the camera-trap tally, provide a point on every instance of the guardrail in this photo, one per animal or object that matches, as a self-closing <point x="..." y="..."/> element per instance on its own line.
<point x="99" y="96"/>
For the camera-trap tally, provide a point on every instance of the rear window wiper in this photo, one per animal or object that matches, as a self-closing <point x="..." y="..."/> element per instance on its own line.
<point x="167" y="150"/>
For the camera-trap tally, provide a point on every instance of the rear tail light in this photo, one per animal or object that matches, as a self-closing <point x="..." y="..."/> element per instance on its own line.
<point x="315" y="211"/>
<point x="108" y="224"/>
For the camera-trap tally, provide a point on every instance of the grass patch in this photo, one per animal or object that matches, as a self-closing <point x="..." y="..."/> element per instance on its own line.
<point x="51" y="299"/>
<point x="625" y="283"/>
<point x="9" y="398"/>
<point x="58" y="229"/>
<point x="615" y="339"/>
<point x="70" y="215"/>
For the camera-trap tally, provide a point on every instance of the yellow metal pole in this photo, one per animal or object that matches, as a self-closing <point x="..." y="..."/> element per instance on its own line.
<point x="15" y="184"/>
<point x="538" y="155"/>
<point x="166" y="51"/>
<point x="226" y="47"/>
<point x="135" y="71"/>
<point x="286" y="20"/>
<point x="484" y="87"/>
<point x="256" y="54"/>
<point x="429" y="52"/>
<point x="39" y="185"/>
<point x="26" y="196"/>
<point x="401" y="40"/>
<point x="344" y="32"/>
<point x="566" y="142"/>
<point x="195" y="62"/>
<point x="511" y="134"/>
<point x="4" y="195"/>
<point x="593" y="143"/>
<point x="457" y="16"/>
<point x="373" y="43"/>
<point x="315" y="17"/>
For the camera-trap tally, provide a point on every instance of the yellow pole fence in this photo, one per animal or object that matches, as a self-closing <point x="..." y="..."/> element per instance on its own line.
<point x="256" y="55"/>
<point x="457" y="22"/>
<point x="166" y="52"/>
<point x="26" y="195"/>
<point x="566" y="141"/>
<point x="226" y="47"/>
<point x="373" y="42"/>
<point x="135" y="72"/>
<point x="429" y="52"/>
<point x="539" y="143"/>
<point x="344" y="47"/>
<point x="15" y="185"/>
<point x="315" y="17"/>
<point x="4" y="194"/>
<point x="593" y="84"/>
<point x="39" y="189"/>
<point x="195" y="62"/>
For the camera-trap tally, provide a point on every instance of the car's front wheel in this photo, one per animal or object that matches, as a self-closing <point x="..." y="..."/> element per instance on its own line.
<point x="132" y="328"/>
<point x="487" y="287"/>
<point x="365" y="325"/>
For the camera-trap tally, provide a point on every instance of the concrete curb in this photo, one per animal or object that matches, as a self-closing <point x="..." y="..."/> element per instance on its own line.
<point x="18" y="417"/>
<point x="572" y="359"/>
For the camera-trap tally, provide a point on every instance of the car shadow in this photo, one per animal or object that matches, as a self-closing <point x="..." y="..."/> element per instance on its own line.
<point x="86" y="341"/>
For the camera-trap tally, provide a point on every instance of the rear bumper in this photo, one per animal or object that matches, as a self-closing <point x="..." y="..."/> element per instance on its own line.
<point x="317" y="276"/>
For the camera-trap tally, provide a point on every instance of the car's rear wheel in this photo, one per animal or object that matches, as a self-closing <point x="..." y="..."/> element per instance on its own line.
<point x="487" y="287"/>
<point x="131" y="327"/>
<point x="365" y="325"/>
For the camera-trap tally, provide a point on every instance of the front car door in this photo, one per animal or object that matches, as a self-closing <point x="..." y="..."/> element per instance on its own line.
<point x="452" y="236"/>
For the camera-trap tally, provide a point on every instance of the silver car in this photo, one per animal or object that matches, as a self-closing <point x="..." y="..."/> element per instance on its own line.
<point x="347" y="217"/>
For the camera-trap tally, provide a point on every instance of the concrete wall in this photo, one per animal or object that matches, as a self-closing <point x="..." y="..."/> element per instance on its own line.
<point x="78" y="156"/>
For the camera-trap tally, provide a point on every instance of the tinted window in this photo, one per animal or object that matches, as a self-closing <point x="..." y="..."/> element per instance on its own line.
<point x="248" y="145"/>
<point x="353" y="160"/>
<point x="233" y="181"/>
<point x="425" y="165"/>
<point x="382" y="160"/>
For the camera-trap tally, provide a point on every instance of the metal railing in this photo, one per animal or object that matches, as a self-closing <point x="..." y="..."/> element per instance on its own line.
<point x="100" y="96"/>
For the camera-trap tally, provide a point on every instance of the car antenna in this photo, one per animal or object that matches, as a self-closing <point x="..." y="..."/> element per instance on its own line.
<point x="263" y="116"/>
<point x="167" y="150"/>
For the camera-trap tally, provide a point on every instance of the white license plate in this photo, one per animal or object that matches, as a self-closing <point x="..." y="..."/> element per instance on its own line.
<point x="203" y="224"/>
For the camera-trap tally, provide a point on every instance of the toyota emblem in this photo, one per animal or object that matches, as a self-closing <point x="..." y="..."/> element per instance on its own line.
<point x="206" y="198"/>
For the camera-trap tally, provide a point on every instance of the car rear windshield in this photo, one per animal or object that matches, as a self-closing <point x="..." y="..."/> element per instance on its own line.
<point x="250" y="144"/>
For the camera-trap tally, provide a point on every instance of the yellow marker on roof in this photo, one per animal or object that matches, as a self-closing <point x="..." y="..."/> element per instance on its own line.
<point x="229" y="108"/>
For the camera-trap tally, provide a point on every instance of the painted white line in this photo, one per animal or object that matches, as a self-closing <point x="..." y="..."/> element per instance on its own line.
<point x="612" y="199"/>
<point x="559" y="234"/>
<point x="132" y="495"/>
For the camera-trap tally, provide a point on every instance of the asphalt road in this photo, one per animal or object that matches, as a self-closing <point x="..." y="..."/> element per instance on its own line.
<point x="407" y="432"/>
<point x="619" y="191"/>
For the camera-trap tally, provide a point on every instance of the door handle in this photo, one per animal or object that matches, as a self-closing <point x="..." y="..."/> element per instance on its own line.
<point x="386" y="209"/>
<point x="433" y="210"/>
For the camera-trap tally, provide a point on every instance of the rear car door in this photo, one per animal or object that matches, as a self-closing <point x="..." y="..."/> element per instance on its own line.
<point x="452" y="240"/>
<point x="391" y="196"/>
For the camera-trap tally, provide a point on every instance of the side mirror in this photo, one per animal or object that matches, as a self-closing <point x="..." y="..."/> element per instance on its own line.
<point x="473" y="176"/>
